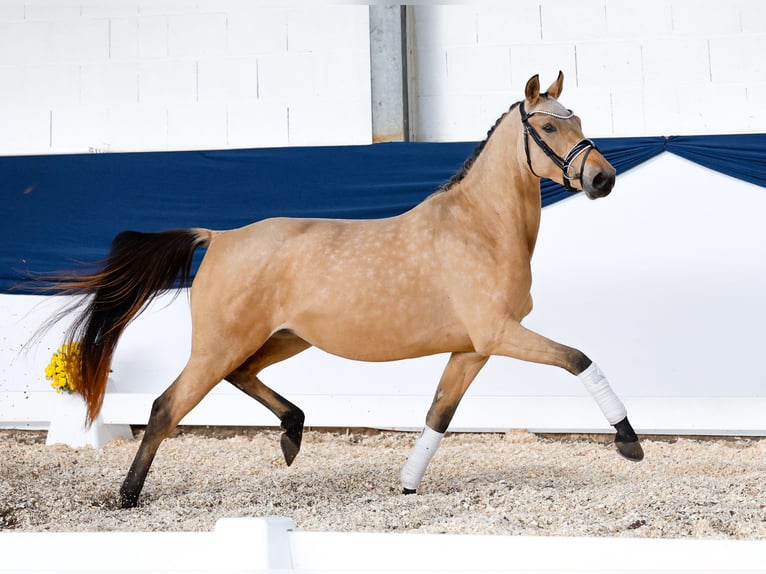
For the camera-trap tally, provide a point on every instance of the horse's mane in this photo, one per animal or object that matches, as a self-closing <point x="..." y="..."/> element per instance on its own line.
<point x="468" y="164"/>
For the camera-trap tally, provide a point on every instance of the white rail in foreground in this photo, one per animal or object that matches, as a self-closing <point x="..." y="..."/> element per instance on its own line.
<point x="274" y="544"/>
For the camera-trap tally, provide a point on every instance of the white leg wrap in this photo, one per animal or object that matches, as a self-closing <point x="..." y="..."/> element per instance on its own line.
<point x="425" y="448"/>
<point x="597" y="385"/>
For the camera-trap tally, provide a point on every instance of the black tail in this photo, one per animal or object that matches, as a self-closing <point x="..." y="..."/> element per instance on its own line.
<point x="138" y="268"/>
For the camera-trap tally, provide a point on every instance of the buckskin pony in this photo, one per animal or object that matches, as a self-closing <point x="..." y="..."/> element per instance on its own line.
<point x="451" y="275"/>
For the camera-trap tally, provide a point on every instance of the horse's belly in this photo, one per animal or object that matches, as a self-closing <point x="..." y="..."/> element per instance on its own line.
<point x="367" y="347"/>
<point x="381" y="336"/>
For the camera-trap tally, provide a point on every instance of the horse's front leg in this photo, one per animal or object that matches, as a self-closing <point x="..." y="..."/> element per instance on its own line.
<point x="458" y="375"/>
<point x="516" y="341"/>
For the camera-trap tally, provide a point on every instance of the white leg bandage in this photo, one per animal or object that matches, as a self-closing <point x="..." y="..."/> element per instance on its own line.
<point x="425" y="448"/>
<point x="597" y="385"/>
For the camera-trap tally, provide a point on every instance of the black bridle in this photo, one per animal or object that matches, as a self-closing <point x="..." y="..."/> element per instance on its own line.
<point x="563" y="163"/>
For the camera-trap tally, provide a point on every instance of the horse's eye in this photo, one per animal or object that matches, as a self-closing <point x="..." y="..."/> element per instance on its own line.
<point x="549" y="128"/>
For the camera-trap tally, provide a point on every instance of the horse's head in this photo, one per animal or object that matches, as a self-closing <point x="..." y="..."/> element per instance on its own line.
<point x="555" y="146"/>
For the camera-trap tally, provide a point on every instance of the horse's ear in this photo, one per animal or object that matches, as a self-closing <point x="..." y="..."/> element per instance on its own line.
<point x="532" y="91"/>
<point x="555" y="89"/>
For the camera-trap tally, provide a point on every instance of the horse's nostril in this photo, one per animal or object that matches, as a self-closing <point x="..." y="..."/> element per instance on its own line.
<point x="603" y="181"/>
<point x="598" y="181"/>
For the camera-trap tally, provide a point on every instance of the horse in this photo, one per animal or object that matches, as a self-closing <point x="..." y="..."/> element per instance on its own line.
<point x="451" y="275"/>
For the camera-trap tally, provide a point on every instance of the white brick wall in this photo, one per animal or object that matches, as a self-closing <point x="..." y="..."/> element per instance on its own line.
<point x="657" y="67"/>
<point x="164" y="74"/>
<point x="180" y="74"/>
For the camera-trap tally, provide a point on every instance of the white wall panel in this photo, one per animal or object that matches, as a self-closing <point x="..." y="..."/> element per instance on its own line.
<point x="697" y="105"/>
<point x="564" y="21"/>
<point x="123" y="39"/>
<point x="609" y="65"/>
<point x="114" y="82"/>
<point x="76" y="40"/>
<point x="633" y="66"/>
<point x="544" y="59"/>
<point x="26" y="129"/>
<point x="234" y="80"/>
<point x="674" y="61"/>
<point x="197" y="125"/>
<point x="289" y="76"/>
<point x="196" y="35"/>
<point x="753" y="17"/>
<point x="51" y="10"/>
<point x="464" y="76"/>
<point x="517" y="21"/>
<point x="136" y="127"/>
<point x="169" y="82"/>
<point x="638" y="20"/>
<point x="79" y="127"/>
<point x="257" y="124"/>
<point x="262" y="31"/>
<point x="11" y="11"/>
<point x="756" y="107"/>
<point x="44" y="86"/>
<point x="629" y="66"/>
<point x="694" y="18"/>
<point x="319" y="121"/>
<point x="152" y="37"/>
<point x="177" y="54"/>
<point x="730" y="60"/>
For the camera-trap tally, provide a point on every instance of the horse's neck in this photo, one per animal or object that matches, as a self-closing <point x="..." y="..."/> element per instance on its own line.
<point x="499" y="191"/>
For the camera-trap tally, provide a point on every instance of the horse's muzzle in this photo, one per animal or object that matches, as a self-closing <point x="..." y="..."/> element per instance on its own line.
<point x="600" y="184"/>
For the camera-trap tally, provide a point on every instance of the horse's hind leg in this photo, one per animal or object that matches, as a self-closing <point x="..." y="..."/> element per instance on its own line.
<point x="189" y="388"/>
<point x="518" y="342"/>
<point x="458" y="375"/>
<point x="279" y="347"/>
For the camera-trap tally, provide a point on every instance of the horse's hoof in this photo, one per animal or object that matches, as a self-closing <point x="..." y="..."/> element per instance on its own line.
<point x="290" y="448"/>
<point x="630" y="450"/>
<point x="627" y="442"/>
<point x="408" y="491"/>
<point x="128" y="501"/>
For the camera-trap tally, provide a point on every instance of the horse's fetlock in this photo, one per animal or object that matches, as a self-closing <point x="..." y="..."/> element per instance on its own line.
<point x="293" y="421"/>
<point x="577" y="362"/>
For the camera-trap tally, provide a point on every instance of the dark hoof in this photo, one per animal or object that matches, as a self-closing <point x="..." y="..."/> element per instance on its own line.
<point x="626" y="441"/>
<point x="408" y="491"/>
<point x="128" y="500"/>
<point x="630" y="450"/>
<point x="290" y="447"/>
<point x="291" y="438"/>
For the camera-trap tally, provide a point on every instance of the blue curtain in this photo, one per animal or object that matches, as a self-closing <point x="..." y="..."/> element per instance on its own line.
<point x="622" y="153"/>
<point x="741" y="156"/>
<point x="61" y="209"/>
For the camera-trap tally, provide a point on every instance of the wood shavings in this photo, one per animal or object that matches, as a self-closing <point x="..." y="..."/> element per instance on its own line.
<point x="518" y="484"/>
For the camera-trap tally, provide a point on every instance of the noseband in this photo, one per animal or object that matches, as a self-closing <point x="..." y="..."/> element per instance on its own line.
<point x="563" y="163"/>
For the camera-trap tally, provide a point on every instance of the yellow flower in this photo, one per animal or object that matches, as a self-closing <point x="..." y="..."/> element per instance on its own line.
<point x="64" y="369"/>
